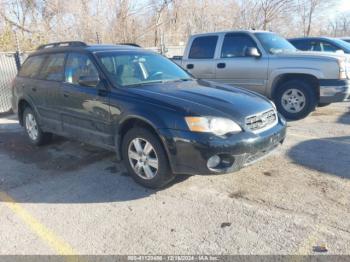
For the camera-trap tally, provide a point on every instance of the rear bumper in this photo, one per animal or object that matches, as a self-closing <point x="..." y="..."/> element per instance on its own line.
<point x="189" y="151"/>
<point x="334" y="90"/>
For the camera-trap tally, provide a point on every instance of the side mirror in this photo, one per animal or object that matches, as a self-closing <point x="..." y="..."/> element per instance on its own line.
<point x="90" y="81"/>
<point x="252" y="52"/>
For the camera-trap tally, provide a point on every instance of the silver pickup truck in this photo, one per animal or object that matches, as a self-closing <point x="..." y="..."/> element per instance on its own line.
<point x="268" y="64"/>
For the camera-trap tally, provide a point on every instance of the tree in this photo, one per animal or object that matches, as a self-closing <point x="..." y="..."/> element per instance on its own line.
<point x="307" y="11"/>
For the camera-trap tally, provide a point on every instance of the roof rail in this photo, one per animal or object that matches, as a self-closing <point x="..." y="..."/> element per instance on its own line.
<point x="62" y="44"/>
<point x="130" y="44"/>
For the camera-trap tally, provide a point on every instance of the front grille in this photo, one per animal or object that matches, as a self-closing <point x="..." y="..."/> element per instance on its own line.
<point x="262" y="121"/>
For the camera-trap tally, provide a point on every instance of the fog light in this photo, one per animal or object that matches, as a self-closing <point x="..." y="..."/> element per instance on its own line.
<point x="213" y="162"/>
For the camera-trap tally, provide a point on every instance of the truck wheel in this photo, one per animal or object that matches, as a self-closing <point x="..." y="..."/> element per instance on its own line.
<point x="145" y="158"/>
<point x="295" y="99"/>
<point x="35" y="134"/>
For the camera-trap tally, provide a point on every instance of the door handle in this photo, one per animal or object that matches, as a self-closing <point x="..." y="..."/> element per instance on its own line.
<point x="221" y="65"/>
<point x="34" y="89"/>
<point x="65" y="94"/>
<point x="190" y="66"/>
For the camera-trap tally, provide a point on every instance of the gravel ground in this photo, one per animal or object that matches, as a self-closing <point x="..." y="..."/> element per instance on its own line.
<point x="68" y="197"/>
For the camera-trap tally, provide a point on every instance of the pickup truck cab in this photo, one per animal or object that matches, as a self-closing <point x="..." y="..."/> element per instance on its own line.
<point x="268" y="64"/>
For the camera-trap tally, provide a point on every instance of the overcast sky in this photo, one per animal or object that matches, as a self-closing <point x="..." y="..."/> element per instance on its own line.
<point x="344" y="5"/>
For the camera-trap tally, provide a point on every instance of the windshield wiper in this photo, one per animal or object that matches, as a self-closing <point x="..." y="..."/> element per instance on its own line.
<point x="159" y="82"/>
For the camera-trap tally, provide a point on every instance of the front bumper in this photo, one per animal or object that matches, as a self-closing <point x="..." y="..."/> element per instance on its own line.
<point x="334" y="90"/>
<point x="189" y="151"/>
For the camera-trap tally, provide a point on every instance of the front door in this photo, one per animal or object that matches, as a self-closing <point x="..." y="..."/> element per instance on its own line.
<point x="86" y="113"/>
<point x="235" y="68"/>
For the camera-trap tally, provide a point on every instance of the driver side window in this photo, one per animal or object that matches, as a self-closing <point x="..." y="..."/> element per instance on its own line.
<point x="236" y="45"/>
<point x="328" y="47"/>
<point x="79" y="66"/>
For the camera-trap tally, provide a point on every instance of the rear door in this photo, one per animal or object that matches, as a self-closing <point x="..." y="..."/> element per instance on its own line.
<point x="235" y="68"/>
<point x="51" y="78"/>
<point x="200" y="58"/>
<point x="85" y="109"/>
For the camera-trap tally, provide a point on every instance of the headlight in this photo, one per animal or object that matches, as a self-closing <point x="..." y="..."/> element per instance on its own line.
<point x="217" y="125"/>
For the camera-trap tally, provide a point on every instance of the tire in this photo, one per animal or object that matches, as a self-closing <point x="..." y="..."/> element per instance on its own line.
<point x="323" y="104"/>
<point x="34" y="133"/>
<point x="296" y="91"/>
<point x="155" y="177"/>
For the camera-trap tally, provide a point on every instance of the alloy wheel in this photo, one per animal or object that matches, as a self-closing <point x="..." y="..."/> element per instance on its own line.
<point x="143" y="158"/>
<point x="32" y="127"/>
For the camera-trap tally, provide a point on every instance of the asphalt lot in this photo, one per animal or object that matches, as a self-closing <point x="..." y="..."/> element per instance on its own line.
<point x="71" y="198"/>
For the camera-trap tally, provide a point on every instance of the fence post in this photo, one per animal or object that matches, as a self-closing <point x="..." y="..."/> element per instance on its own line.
<point x="17" y="60"/>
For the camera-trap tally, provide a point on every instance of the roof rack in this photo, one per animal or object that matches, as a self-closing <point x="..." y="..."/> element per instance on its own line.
<point x="62" y="44"/>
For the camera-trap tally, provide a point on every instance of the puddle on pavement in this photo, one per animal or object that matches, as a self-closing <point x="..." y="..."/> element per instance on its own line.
<point x="60" y="154"/>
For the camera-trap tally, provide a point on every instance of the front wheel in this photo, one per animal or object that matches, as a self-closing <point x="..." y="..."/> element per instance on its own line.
<point x="295" y="99"/>
<point x="145" y="158"/>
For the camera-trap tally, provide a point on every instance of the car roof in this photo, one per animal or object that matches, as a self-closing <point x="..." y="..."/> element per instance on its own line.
<point x="312" y="38"/>
<point x="231" y="31"/>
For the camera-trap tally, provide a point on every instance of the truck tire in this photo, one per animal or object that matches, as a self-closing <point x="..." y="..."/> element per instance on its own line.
<point x="145" y="158"/>
<point x="34" y="133"/>
<point x="295" y="99"/>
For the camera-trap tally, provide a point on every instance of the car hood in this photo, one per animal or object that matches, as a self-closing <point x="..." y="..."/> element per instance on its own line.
<point x="203" y="98"/>
<point x="313" y="54"/>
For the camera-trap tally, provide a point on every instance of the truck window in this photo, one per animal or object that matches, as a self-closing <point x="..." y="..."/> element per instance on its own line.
<point x="203" y="47"/>
<point x="32" y="66"/>
<point x="53" y="68"/>
<point x="235" y="45"/>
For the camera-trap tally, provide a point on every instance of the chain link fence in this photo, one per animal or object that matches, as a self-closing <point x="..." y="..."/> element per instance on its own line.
<point x="10" y="62"/>
<point x="8" y="70"/>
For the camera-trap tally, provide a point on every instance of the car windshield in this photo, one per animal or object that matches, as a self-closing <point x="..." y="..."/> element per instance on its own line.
<point x="343" y="44"/>
<point x="134" y="68"/>
<point x="275" y="44"/>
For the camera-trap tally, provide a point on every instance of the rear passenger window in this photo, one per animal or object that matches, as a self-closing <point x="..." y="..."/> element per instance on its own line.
<point x="203" y="47"/>
<point x="302" y="45"/>
<point x="236" y="45"/>
<point x="79" y="66"/>
<point x="32" y="66"/>
<point x="53" y="68"/>
<point x="316" y="46"/>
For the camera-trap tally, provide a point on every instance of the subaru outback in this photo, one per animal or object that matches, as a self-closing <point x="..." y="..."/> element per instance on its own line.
<point x="157" y="118"/>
